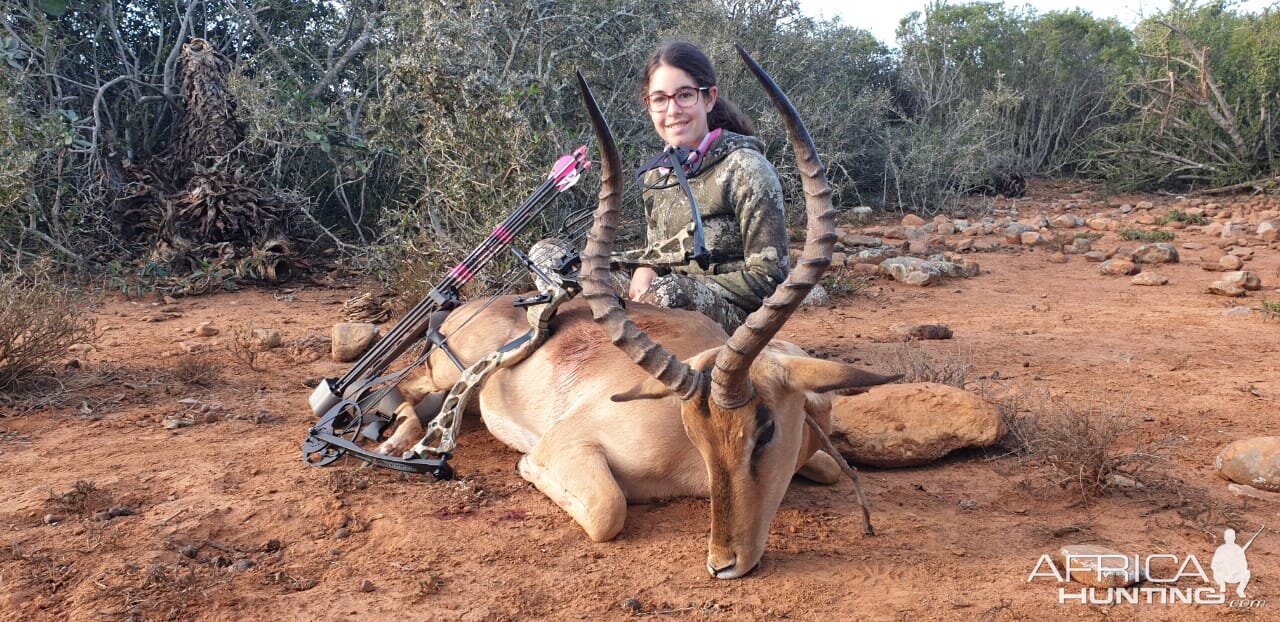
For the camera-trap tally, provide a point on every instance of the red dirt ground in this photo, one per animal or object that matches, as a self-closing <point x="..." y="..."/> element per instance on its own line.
<point x="488" y="546"/>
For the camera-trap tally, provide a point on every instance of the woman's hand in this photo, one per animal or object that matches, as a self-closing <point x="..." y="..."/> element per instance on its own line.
<point x="640" y="281"/>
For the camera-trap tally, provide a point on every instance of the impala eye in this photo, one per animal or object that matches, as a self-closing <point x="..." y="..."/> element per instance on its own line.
<point x="766" y="435"/>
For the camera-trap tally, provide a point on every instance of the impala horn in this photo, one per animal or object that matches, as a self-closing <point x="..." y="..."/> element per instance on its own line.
<point x="606" y="310"/>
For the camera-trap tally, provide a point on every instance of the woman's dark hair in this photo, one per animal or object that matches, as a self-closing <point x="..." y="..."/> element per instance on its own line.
<point x="688" y="58"/>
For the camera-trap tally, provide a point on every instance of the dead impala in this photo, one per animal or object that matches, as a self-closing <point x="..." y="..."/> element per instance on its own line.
<point x="604" y="415"/>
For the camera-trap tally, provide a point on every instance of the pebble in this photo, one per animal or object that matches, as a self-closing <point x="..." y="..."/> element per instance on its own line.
<point x="1238" y="311"/>
<point x="1118" y="267"/>
<point x="367" y="586"/>
<point x="1094" y="256"/>
<point x="1230" y="262"/>
<point x="632" y="605"/>
<point x="342" y="533"/>
<point x="910" y="332"/>
<point x="52" y="519"/>
<point x="173" y="423"/>
<point x="1150" y="278"/>
<point x="189" y="550"/>
<point x="206" y="329"/>
<point x="102" y="516"/>
<point x="244" y="565"/>
<point x="1252" y="462"/>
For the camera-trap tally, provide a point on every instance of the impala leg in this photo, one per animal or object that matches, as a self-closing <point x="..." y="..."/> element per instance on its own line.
<point x="409" y="419"/>
<point x="577" y="478"/>
<point x="821" y="469"/>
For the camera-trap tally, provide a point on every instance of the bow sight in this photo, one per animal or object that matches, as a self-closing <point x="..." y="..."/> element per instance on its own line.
<point x="362" y="403"/>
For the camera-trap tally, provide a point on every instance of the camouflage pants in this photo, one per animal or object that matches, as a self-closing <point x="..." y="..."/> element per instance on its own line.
<point x="673" y="291"/>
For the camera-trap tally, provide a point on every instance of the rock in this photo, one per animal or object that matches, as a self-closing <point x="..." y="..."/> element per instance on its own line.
<point x="631" y="605"/>
<point x="342" y="533"/>
<point x="895" y="233"/>
<point x="120" y="511"/>
<point x="1230" y="262"/>
<point x="1267" y="231"/>
<point x="266" y="338"/>
<point x="1080" y="246"/>
<point x="946" y="228"/>
<point x="1097" y="566"/>
<point x="970" y="504"/>
<point x="1145" y="219"/>
<point x="1244" y="253"/>
<point x="1192" y="246"/>
<point x="1149" y="278"/>
<point x="1058" y="258"/>
<point x="964" y="246"/>
<point x="80" y="349"/>
<point x="911" y="220"/>
<point x="851" y="240"/>
<point x="1214" y="228"/>
<point x="866" y="269"/>
<point x="918" y="247"/>
<point x="1098" y="224"/>
<point x="1145" y="205"/>
<point x="1013" y="233"/>
<point x="1095" y="256"/>
<point x="206" y="329"/>
<point x="1243" y="279"/>
<point x="351" y="339"/>
<point x="367" y="586"/>
<point x="1160" y="252"/>
<point x="1224" y="288"/>
<point x="873" y="255"/>
<point x="52" y="519"/>
<point x="102" y="516"/>
<point x="244" y="565"/>
<point x="1064" y="221"/>
<point x="1118" y="267"/>
<point x="912" y="332"/>
<point x="1031" y="238"/>
<point x="817" y="297"/>
<point x="1238" y="311"/>
<point x="860" y="215"/>
<point x="838" y="260"/>
<point x="173" y="423"/>
<point x="909" y="424"/>
<point x="1252" y="462"/>
<point x="910" y="271"/>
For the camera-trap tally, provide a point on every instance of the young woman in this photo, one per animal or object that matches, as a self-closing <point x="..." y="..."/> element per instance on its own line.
<point x="713" y="164"/>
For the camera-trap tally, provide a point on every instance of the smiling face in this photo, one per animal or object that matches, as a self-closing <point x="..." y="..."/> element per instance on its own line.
<point x="678" y="126"/>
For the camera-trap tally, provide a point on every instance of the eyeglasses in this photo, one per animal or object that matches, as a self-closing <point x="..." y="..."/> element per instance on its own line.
<point x="684" y="97"/>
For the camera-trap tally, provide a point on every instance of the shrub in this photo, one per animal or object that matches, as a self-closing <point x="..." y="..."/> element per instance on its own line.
<point x="39" y="320"/>
<point x="1146" y="236"/>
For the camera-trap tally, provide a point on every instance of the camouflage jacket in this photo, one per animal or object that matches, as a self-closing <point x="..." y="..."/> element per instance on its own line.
<point x="743" y="218"/>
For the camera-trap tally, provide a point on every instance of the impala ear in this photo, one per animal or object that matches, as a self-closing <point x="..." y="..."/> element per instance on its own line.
<point x="819" y="376"/>
<point x="649" y="389"/>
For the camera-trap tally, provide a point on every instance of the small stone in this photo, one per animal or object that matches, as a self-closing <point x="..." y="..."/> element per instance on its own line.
<point x="946" y="228"/>
<point x="912" y="332"/>
<point x="189" y="551"/>
<point x="1238" y="311"/>
<point x="1080" y="246"/>
<point x="266" y="338"/>
<point x="352" y="339"/>
<point x="1095" y="256"/>
<point x="1267" y="231"/>
<point x="969" y="504"/>
<point x="102" y="516"/>
<point x="1252" y="462"/>
<point x="1098" y="224"/>
<point x="631" y="605"/>
<point x="342" y="533"/>
<point x="1161" y="252"/>
<point x="1223" y="288"/>
<point x="80" y="349"/>
<point x="52" y="519"/>
<point x="911" y="220"/>
<point x="1244" y="279"/>
<point x="897" y="425"/>
<point x="1031" y="238"/>
<point x="367" y="586"/>
<point x="1144" y="205"/>
<point x="910" y="271"/>
<point x="1118" y="267"/>
<point x="170" y="300"/>
<point x="1149" y="278"/>
<point x="244" y="565"/>
<point x="206" y="329"/>
<point x="1243" y="252"/>
<point x="1058" y="258"/>
<point x="964" y="245"/>
<point x="173" y="423"/>
<point x="120" y="511"/>
<point x="1097" y="566"/>
<point x="860" y="215"/>
<point x="1230" y="262"/>
<point x="1013" y="233"/>
<point x="1064" y="221"/>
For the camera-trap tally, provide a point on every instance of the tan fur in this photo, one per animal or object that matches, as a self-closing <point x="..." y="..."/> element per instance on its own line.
<point x="592" y="456"/>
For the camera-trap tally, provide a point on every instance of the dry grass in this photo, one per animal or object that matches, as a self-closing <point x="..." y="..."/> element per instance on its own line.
<point x="83" y="499"/>
<point x="1086" y="449"/>
<point x="917" y="364"/>
<point x="39" y="320"/>
<point x="200" y="369"/>
<point x="244" y="348"/>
